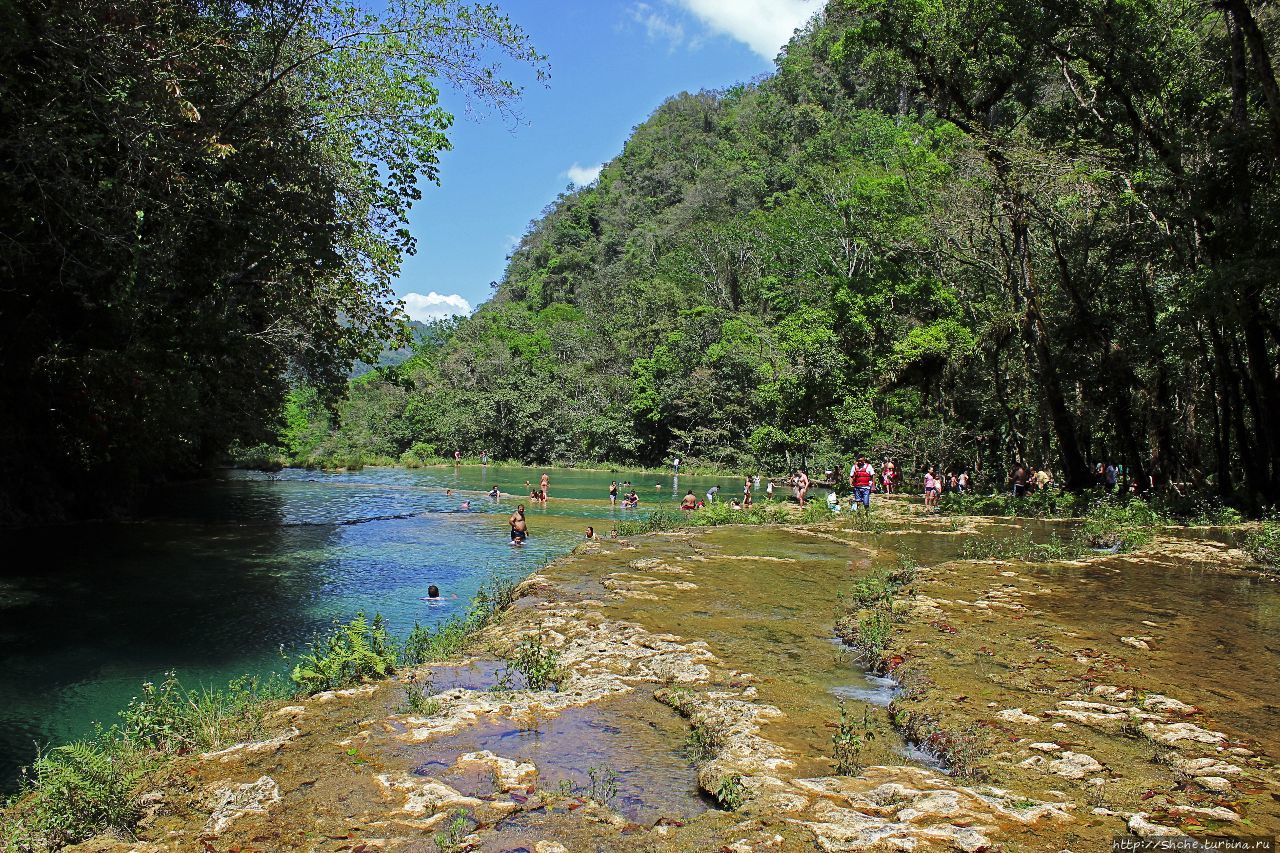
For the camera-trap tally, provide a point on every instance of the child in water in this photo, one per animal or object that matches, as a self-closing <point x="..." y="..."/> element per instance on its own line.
<point x="433" y="596"/>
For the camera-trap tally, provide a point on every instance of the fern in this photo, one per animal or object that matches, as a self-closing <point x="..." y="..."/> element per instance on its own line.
<point x="358" y="651"/>
<point x="72" y="793"/>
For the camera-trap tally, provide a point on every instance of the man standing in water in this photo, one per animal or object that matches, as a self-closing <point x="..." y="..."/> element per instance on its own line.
<point x="861" y="476"/>
<point x="542" y="485"/>
<point x="519" y="528"/>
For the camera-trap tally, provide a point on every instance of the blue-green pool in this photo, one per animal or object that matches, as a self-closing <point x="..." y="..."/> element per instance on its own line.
<point x="223" y="577"/>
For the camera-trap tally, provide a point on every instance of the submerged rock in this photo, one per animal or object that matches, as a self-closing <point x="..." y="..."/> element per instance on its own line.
<point x="1075" y="765"/>
<point x="1143" y="828"/>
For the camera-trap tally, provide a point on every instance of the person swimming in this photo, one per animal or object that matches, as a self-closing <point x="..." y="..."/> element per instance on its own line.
<point x="433" y="596"/>
<point x="495" y="493"/>
<point x="466" y="504"/>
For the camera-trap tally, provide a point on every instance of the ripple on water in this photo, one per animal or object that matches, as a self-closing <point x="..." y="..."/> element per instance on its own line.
<point x="873" y="689"/>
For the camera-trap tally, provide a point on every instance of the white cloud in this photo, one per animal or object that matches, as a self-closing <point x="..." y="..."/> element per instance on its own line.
<point x="434" y="306"/>
<point x="583" y="175"/>
<point x="763" y="25"/>
<point x="657" y="26"/>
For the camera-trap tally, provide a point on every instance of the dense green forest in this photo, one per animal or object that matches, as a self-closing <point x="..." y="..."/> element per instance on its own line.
<point x="966" y="234"/>
<point x="205" y="204"/>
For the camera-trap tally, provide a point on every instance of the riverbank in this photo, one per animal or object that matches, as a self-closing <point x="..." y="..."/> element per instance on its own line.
<point x="687" y="699"/>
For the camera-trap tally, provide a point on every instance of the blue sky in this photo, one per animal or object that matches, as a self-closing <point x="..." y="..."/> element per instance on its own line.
<point x="612" y="63"/>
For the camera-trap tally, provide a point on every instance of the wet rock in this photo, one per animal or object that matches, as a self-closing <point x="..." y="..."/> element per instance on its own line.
<point x="1017" y="715"/>
<point x="229" y="802"/>
<point x="1164" y="704"/>
<point x="1074" y="765"/>
<point x="1214" y="813"/>
<point x="1143" y="828"/>
<point x="1111" y="723"/>
<point x="507" y="773"/>
<point x="908" y="808"/>
<point x="1214" y="784"/>
<point x="1205" y="767"/>
<point x="1171" y="733"/>
<point x="550" y="847"/>
<point x="252" y="747"/>
<point x="421" y="796"/>
<point x="334" y="695"/>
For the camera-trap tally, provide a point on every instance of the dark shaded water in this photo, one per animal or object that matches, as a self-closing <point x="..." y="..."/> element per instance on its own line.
<point x="224" y="576"/>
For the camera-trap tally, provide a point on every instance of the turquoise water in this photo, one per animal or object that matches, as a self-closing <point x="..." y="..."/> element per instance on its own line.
<point x="223" y="576"/>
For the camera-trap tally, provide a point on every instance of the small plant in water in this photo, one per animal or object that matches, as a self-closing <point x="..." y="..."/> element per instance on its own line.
<point x="449" y="840"/>
<point x="848" y="741"/>
<point x="539" y="665"/>
<point x="603" y="784"/>
<point x="419" y="699"/>
<point x="503" y="681"/>
<point x="702" y="744"/>
<point x="875" y="627"/>
<point x="730" y="793"/>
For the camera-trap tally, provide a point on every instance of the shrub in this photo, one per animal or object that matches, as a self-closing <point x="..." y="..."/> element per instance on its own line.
<point x="72" y="793"/>
<point x="1021" y="548"/>
<point x="1042" y="504"/>
<point x="730" y="793"/>
<point x="703" y="743"/>
<point x="1264" y="545"/>
<point x="816" y="512"/>
<point x="603" y="785"/>
<point x="849" y="739"/>
<point x="428" y="645"/>
<point x="1120" y="524"/>
<point x="170" y="719"/>
<point x="420" y="455"/>
<point x="358" y="651"/>
<point x="419" y="700"/>
<point x="539" y="665"/>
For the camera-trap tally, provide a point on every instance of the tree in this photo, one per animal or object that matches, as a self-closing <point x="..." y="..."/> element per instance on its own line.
<point x="206" y="203"/>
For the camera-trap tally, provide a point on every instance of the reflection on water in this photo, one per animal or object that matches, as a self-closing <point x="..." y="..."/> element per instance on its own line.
<point x="223" y="575"/>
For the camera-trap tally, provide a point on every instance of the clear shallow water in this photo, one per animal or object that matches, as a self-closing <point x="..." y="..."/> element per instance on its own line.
<point x="223" y="575"/>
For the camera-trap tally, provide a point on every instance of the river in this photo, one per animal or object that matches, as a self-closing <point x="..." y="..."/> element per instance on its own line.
<point x="222" y="577"/>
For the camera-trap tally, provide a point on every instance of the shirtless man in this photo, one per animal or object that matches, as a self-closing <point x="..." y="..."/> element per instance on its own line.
<point x="519" y="528"/>
<point x="542" y="485"/>
<point x="802" y="485"/>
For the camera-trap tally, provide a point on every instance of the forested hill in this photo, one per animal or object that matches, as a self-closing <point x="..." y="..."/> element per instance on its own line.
<point x="962" y="234"/>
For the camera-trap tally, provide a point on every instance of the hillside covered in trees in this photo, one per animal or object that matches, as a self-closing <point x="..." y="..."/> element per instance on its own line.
<point x="959" y="233"/>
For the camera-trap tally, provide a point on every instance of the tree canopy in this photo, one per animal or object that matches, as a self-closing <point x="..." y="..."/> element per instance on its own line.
<point x="205" y="204"/>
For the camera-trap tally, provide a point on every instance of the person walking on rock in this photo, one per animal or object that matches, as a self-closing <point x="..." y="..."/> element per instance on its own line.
<point x="861" y="476"/>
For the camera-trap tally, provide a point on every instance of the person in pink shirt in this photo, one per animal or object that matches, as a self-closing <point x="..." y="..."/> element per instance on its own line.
<point x="930" y="489"/>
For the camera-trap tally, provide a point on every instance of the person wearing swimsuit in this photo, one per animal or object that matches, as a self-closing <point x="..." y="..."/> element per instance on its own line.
<point x="519" y="528"/>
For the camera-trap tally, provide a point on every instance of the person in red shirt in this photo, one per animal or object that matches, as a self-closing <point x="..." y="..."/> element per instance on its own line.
<point x="861" y="476"/>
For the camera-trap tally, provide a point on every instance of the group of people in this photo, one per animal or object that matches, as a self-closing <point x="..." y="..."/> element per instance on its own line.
<point x="630" y="500"/>
<point x="1024" y="480"/>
